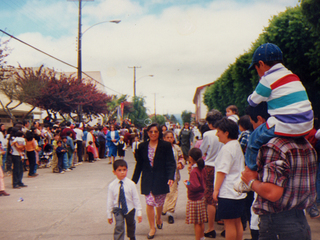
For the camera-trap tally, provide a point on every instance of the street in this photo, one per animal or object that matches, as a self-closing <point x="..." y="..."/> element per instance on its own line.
<point x="73" y="206"/>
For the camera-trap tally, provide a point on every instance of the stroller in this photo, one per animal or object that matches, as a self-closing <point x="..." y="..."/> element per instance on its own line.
<point x="46" y="155"/>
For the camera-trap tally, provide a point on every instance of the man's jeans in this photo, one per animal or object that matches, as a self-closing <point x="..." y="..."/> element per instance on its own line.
<point x="318" y="183"/>
<point x="260" y="136"/>
<point x="70" y="159"/>
<point x="65" y="161"/>
<point x="285" y="225"/>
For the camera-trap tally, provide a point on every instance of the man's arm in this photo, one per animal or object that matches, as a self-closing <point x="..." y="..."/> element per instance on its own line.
<point x="268" y="191"/>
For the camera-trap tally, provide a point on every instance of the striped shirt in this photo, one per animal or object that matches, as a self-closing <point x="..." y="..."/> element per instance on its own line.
<point x="288" y="104"/>
<point x="290" y="163"/>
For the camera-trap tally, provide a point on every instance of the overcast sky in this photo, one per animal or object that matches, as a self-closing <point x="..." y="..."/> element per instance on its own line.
<point x="183" y="43"/>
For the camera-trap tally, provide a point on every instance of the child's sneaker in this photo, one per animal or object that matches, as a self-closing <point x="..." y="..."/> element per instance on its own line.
<point x="313" y="212"/>
<point x="241" y="187"/>
<point x="62" y="172"/>
<point x="68" y="170"/>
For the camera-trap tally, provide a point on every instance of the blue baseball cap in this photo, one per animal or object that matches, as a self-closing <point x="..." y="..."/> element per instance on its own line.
<point x="266" y="52"/>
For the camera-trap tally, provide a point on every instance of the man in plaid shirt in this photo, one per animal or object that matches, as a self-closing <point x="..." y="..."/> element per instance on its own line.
<point x="285" y="183"/>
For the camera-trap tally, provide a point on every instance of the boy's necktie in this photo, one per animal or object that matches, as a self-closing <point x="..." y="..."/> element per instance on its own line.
<point x="122" y="199"/>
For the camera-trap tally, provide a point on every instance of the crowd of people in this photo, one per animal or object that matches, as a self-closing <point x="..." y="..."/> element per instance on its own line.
<point x="261" y="167"/>
<point x="258" y="168"/>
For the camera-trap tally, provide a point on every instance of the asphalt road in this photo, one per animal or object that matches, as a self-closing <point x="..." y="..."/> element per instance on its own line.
<point x="73" y="206"/>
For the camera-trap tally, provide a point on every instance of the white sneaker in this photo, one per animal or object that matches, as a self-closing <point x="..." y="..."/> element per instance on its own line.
<point x="68" y="170"/>
<point x="79" y="163"/>
<point x="62" y="172"/>
<point x="241" y="187"/>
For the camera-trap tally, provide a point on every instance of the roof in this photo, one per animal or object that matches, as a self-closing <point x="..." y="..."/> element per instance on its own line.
<point x="199" y="89"/>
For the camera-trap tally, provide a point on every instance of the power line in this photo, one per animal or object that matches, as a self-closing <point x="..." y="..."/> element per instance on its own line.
<point x="56" y="59"/>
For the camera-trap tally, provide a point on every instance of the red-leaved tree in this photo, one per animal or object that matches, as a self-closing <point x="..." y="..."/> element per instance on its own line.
<point x="59" y="93"/>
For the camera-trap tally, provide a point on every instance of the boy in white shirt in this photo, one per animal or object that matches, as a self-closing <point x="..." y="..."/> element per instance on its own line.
<point x="123" y="201"/>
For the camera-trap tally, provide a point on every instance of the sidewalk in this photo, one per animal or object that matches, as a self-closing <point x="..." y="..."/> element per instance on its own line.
<point x="73" y="206"/>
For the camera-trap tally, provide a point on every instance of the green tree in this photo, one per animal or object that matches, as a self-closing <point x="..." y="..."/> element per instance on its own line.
<point x="294" y="35"/>
<point x="160" y="119"/>
<point x="186" y="116"/>
<point x="139" y="116"/>
<point x="173" y="119"/>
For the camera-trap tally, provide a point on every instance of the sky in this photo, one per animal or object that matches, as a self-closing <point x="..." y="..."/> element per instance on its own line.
<point x="184" y="44"/>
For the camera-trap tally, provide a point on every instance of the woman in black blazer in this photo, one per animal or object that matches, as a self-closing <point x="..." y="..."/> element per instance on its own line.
<point x="156" y="162"/>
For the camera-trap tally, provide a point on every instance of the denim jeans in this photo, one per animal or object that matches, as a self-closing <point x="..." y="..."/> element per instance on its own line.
<point x="260" y="136"/>
<point x="318" y="183"/>
<point x="70" y="159"/>
<point x="285" y="225"/>
<point x="65" y="161"/>
<point x="4" y="159"/>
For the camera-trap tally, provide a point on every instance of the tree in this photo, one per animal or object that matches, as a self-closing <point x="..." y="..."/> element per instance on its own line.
<point x="139" y="116"/>
<point x="7" y="84"/>
<point x="115" y="103"/>
<point x="160" y="119"/>
<point x="58" y="93"/>
<point x="173" y="119"/>
<point x="295" y="37"/>
<point x="186" y="116"/>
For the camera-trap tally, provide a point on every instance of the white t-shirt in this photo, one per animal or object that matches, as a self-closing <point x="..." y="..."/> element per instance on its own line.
<point x="230" y="161"/>
<point x="20" y="141"/>
<point x="210" y="147"/>
<point x="79" y="134"/>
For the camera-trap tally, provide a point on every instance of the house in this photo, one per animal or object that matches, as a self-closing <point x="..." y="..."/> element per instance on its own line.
<point x="200" y="109"/>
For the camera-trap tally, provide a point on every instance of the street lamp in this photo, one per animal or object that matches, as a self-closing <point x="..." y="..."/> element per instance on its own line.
<point x="135" y="82"/>
<point x="79" y="73"/>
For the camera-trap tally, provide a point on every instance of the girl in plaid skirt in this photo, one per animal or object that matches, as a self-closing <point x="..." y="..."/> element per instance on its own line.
<point x="196" y="207"/>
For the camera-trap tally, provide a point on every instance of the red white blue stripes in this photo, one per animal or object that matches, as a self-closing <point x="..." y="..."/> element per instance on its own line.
<point x="288" y="104"/>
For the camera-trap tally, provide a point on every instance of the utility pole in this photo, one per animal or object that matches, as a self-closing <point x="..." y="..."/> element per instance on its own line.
<point x="79" y="66"/>
<point x="134" y="79"/>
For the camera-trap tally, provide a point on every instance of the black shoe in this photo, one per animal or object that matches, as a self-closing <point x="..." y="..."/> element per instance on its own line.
<point x="223" y="233"/>
<point x="211" y="234"/>
<point x="23" y="185"/>
<point x="159" y="226"/>
<point x="163" y="214"/>
<point x="16" y="187"/>
<point x="150" y="236"/>
<point x="170" y="220"/>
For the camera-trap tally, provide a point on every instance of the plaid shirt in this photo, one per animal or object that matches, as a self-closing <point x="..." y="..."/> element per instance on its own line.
<point x="290" y="163"/>
<point x="243" y="139"/>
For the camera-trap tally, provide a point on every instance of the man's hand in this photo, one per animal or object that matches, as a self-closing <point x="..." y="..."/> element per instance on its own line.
<point x="170" y="183"/>
<point x="110" y="221"/>
<point x="139" y="219"/>
<point x="248" y="175"/>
